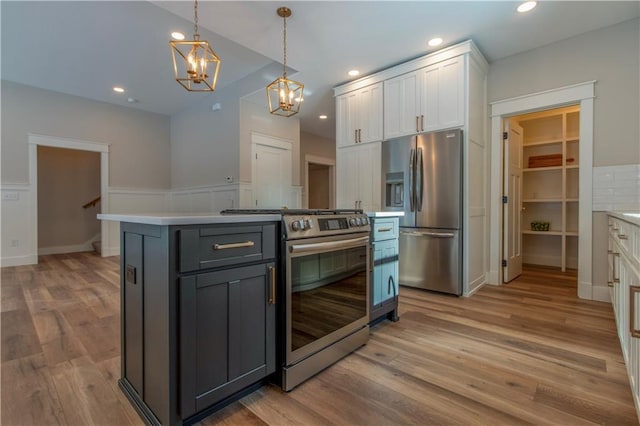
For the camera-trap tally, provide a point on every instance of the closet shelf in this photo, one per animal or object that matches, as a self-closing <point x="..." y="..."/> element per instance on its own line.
<point x="542" y="200"/>
<point x="541" y="143"/>
<point x="542" y="169"/>
<point x="530" y="232"/>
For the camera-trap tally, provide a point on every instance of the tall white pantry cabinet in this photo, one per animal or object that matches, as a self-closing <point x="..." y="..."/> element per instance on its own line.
<point x="442" y="90"/>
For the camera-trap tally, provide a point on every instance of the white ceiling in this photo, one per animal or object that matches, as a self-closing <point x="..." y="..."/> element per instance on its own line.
<point x="85" y="48"/>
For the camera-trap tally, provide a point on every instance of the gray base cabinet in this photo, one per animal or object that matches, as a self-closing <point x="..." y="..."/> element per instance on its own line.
<point x="198" y="316"/>
<point x="384" y="277"/>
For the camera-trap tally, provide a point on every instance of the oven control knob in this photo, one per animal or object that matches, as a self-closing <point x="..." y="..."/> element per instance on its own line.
<point x="358" y="222"/>
<point x="352" y="221"/>
<point x="309" y="223"/>
<point x="365" y="221"/>
<point x="297" y="225"/>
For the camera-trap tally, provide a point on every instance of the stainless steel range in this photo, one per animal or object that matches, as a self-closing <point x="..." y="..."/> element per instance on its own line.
<point x="325" y="255"/>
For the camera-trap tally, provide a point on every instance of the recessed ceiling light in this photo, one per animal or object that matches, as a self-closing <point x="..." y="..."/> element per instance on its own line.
<point x="435" y="42"/>
<point x="177" y="35"/>
<point x="118" y="89"/>
<point x="353" y="73"/>
<point x="322" y="117"/>
<point x="527" y="6"/>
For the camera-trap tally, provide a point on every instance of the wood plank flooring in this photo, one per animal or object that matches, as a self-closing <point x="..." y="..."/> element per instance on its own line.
<point x="529" y="352"/>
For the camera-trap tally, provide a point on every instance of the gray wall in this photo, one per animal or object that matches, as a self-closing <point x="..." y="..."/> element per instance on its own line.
<point x="67" y="179"/>
<point x="608" y="55"/>
<point x="204" y="143"/>
<point x="311" y="144"/>
<point x="139" y="141"/>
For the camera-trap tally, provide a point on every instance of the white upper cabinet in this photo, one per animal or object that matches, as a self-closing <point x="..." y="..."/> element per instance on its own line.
<point x="359" y="116"/>
<point x="431" y="98"/>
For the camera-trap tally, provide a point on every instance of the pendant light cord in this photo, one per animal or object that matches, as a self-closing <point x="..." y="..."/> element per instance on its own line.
<point x="195" y="21"/>
<point x="284" y="42"/>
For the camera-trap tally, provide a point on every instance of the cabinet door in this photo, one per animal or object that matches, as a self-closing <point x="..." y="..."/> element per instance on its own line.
<point x="385" y="272"/>
<point x="370" y="113"/>
<point x="346" y="119"/>
<point x="369" y="185"/>
<point x="227" y="334"/>
<point x="401" y="106"/>
<point x="441" y="95"/>
<point x="346" y="177"/>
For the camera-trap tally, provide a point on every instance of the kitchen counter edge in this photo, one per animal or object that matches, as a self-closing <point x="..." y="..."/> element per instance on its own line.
<point x="384" y="214"/>
<point x="631" y="217"/>
<point x="189" y="219"/>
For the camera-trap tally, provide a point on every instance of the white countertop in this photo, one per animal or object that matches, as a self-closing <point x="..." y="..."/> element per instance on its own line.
<point x="384" y="214"/>
<point x="632" y="217"/>
<point x="189" y="218"/>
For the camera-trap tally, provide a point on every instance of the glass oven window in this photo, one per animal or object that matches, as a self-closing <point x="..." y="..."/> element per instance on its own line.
<point x="329" y="291"/>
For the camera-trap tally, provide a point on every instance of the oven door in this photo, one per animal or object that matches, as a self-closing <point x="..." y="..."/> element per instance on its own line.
<point x="327" y="291"/>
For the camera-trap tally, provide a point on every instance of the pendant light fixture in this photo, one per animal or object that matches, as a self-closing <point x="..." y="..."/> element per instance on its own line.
<point x="195" y="64"/>
<point x="284" y="95"/>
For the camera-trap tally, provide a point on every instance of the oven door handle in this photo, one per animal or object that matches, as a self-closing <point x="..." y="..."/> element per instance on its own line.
<point x="331" y="245"/>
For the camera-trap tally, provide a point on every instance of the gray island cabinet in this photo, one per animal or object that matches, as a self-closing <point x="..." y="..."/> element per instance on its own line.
<point x="198" y="311"/>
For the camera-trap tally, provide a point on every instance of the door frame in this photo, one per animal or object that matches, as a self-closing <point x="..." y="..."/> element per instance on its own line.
<point x="582" y="94"/>
<point x="325" y="161"/>
<point x="36" y="140"/>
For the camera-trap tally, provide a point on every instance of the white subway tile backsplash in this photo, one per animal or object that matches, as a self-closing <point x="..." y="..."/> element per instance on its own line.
<point x="616" y="188"/>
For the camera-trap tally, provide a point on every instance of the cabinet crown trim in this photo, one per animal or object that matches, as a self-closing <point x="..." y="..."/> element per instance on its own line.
<point x="412" y="65"/>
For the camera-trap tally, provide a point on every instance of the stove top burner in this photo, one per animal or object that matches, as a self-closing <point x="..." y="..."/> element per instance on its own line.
<point x="289" y="212"/>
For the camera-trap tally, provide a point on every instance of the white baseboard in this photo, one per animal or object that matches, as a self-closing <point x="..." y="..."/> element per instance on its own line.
<point x="74" y="248"/>
<point x="30" y="259"/>
<point x="110" y="251"/>
<point x="474" y="290"/>
<point x="585" y="291"/>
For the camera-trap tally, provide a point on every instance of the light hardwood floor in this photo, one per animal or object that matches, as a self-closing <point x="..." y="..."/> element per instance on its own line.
<point x="528" y="352"/>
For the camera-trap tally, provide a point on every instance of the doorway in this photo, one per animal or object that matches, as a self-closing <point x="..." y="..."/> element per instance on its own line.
<point x="319" y="187"/>
<point x="541" y="189"/>
<point x="271" y="170"/>
<point x="579" y="94"/>
<point x="36" y="141"/>
<point x="68" y="200"/>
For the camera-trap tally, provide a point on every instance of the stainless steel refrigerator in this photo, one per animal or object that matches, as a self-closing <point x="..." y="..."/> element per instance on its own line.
<point x="422" y="176"/>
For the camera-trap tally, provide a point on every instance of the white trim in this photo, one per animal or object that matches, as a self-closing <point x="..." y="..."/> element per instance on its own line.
<point x="78" y="144"/>
<point x="601" y="293"/>
<point x="29" y="259"/>
<point x="273" y="141"/>
<point x="36" y="140"/>
<point x="412" y="65"/>
<point x="75" y="248"/>
<point x="544" y="100"/>
<point x="583" y="94"/>
<point x="326" y="161"/>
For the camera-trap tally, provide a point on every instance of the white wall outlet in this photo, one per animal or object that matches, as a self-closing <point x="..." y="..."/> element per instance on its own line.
<point x="216" y="107"/>
<point x="229" y="179"/>
<point x="10" y="196"/>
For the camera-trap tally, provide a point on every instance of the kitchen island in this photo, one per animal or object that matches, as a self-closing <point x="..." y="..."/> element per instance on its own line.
<point x="198" y="313"/>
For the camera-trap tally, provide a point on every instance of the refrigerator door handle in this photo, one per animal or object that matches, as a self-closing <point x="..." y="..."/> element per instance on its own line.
<point x="412" y="161"/>
<point x="429" y="234"/>
<point x="419" y="178"/>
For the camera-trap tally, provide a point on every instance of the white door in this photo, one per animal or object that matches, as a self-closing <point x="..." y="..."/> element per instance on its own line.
<point x="271" y="172"/>
<point x="513" y="207"/>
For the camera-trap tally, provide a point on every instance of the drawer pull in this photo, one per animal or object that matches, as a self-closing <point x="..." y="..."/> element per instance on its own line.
<point x="610" y="283"/>
<point x="272" y="289"/>
<point x="233" y="245"/>
<point x="385" y="229"/>
<point x="623" y="237"/>
<point x="635" y="332"/>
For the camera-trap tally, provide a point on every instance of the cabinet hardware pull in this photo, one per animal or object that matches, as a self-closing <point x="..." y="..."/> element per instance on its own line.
<point x="615" y="229"/>
<point x="272" y="289"/>
<point x="422" y="122"/>
<point x="417" y="124"/>
<point x="616" y="270"/>
<point x="635" y="332"/>
<point x="385" y="229"/>
<point x="360" y="135"/>
<point x="609" y="251"/>
<point x="233" y="245"/>
<point x="609" y="283"/>
<point x="623" y="237"/>
<point x="355" y="135"/>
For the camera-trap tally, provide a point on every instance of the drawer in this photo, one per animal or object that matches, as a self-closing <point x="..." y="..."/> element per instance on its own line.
<point x="385" y="229"/>
<point x="225" y="245"/>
